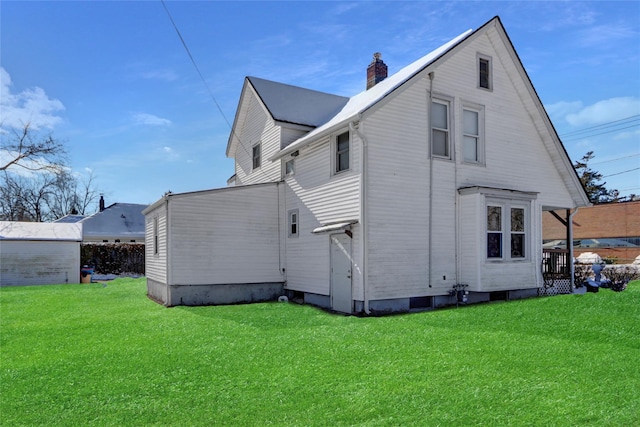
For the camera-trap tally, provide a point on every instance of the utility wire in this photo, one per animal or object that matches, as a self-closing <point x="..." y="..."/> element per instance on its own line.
<point x="620" y="173"/>
<point x="616" y="159"/>
<point x="193" y="61"/>
<point x="575" y="138"/>
<point x="603" y="125"/>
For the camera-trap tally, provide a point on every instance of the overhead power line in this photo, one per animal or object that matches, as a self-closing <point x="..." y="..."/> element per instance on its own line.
<point x="616" y="159"/>
<point x="620" y="173"/>
<point x="596" y="128"/>
<point x="193" y="61"/>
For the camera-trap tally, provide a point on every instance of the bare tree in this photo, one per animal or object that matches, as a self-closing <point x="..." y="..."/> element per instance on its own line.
<point x="35" y="182"/>
<point x="27" y="149"/>
<point x="73" y="195"/>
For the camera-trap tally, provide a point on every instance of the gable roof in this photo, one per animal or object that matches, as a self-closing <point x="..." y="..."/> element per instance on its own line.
<point x="119" y="219"/>
<point x="286" y="104"/>
<point x="297" y="105"/>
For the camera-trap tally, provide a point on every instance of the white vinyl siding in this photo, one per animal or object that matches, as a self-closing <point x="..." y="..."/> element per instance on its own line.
<point x="225" y="236"/>
<point x="320" y="198"/>
<point x="260" y="133"/>
<point x="397" y="205"/>
<point x="156" y="244"/>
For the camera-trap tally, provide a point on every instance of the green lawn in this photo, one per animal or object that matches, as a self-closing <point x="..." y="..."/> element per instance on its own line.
<point x="77" y="355"/>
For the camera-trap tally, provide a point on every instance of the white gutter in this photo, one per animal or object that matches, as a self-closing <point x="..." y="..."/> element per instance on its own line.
<point x="363" y="222"/>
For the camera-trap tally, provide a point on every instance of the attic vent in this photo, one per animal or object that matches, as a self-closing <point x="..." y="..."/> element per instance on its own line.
<point x="376" y="71"/>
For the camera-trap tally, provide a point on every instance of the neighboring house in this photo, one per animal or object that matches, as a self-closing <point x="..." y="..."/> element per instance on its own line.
<point x="430" y="181"/>
<point x="117" y="223"/>
<point x="612" y="230"/>
<point x="38" y="253"/>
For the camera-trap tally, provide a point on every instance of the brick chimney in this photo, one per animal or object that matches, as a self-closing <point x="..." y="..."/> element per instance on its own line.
<point x="376" y="71"/>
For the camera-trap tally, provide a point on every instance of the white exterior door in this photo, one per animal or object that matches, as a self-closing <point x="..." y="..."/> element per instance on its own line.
<point x="341" y="299"/>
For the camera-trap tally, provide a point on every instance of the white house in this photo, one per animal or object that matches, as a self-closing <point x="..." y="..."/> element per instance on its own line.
<point x="431" y="181"/>
<point x="38" y="253"/>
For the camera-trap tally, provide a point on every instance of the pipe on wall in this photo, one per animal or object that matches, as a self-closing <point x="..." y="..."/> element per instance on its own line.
<point x="363" y="221"/>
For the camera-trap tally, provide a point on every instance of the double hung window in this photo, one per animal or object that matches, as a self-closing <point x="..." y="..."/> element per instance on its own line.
<point x="440" y="129"/>
<point x="473" y="134"/>
<point x="342" y="148"/>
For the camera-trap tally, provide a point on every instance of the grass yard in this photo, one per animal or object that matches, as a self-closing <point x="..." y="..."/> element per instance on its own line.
<point x="78" y="355"/>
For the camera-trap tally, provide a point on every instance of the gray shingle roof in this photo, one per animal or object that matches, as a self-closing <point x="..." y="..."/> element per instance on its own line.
<point x="297" y="105"/>
<point x="119" y="219"/>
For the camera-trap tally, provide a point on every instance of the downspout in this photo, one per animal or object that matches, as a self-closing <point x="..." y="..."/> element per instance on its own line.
<point x="363" y="221"/>
<point x="429" y="137"/>
<point x="570" y="247"/>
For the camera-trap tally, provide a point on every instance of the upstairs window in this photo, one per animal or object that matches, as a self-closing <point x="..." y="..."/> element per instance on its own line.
<point x="440" y="140"/>
<point x="342" y="147"/>
<point x="484" y="73"/>
<point x="289" y="167"/>
<point x="473" y="134"/>
<point x="257" y="156"/>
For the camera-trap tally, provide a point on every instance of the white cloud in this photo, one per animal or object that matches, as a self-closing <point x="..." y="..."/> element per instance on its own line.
<point x="31" y="106"/>
<point x="560" y="110"/>
<point x="170" y="154"/>
<point x="150" y="119"/>
<point x="604" y="111"/>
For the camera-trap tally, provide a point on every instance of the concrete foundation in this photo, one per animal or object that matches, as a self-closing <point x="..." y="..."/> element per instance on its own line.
<point x="214" y="294"/>
<point x="222" y="294"/>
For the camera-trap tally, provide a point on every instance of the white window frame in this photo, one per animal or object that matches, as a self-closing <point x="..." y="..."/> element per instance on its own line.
<point x="335" y="154"/>
<point x="479" y="137"/>
<point x="285" y="167"/>
<point x="256" y="160"/>
<point x="484" y="58"/>
<point x="448" y="103"/>
<point x="293" y="220"/>
<point x="506" y="205"/>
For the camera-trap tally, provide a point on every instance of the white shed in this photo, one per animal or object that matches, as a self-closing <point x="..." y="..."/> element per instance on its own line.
<point x="36" y="253"/>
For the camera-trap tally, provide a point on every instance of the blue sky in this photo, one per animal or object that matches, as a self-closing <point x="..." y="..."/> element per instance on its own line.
<point x="113" y="81"/>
